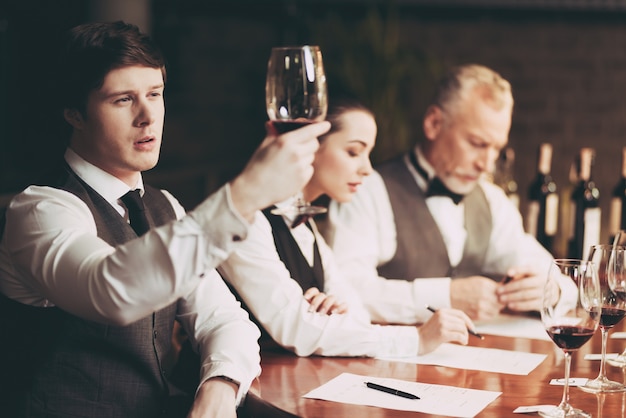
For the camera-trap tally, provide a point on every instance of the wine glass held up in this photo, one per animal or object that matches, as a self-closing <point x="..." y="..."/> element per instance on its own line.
<point x="296" y="95"/>
<point x="613" y="310"/>
<point x="571" y="329"/>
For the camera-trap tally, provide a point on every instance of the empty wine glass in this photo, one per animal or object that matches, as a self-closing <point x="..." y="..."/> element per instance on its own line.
<point x="571" y="328"/>
<point x="613" y="310"/>
<point x="296" y="95"/>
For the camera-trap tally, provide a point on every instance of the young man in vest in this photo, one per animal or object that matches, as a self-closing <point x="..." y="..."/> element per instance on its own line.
<point x="431" y="215"/>
<point x="89" y="298"/>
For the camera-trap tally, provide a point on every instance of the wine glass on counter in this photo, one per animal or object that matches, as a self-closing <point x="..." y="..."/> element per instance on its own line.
<point x="613" y="310"/>
<point x="616" y="274"/>
<point x="296" y="95"/>
<point x="571" y="328"/>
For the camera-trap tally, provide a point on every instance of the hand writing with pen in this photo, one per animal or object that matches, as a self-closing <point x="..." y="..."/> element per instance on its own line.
<point x="444" y="326"/>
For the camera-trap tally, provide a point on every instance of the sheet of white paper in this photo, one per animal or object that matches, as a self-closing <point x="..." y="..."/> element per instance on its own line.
<point x="477" y="358"/>
<point x="513" y="326"/>
<point x="598" y="356"/>
<point x="434" y="399"/>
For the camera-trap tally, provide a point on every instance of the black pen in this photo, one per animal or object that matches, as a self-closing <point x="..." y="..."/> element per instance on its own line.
<point x="474" y="333"/>
<point x="391" y="390"/>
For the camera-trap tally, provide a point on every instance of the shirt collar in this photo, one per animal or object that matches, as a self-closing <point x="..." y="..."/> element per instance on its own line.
<point x="108" y="186"/>
<point x="424" y="164"/>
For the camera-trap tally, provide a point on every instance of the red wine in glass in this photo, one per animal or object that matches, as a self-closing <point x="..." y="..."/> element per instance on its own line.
<point x="284" y="126"/>
<point x="611" y="317"/>
<point x="569" y="337"/>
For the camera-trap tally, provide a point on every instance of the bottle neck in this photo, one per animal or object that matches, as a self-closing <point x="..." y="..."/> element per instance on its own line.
<point x="586" y="161"/>
<point x="545" y="159"/>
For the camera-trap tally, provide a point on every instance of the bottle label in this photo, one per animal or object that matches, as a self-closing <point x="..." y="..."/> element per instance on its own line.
<point x="552" y="214"/>
<point x="615" y="216"/>
<point x="571" y="232"/>
<point x="592" y="230"/>
<point x="532" y="218"/>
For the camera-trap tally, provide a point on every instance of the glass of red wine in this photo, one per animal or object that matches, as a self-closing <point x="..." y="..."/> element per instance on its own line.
<point x="296" y="95"/>
<point x="617" y="281"/>
<point x="571" y="327"/>
<point x="613" y="310"/>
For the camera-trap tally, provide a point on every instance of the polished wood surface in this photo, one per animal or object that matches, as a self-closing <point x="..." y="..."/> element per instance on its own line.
<point x="286" y="377"/>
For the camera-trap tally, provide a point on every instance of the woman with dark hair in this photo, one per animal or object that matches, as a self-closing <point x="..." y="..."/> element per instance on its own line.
<point x="287" y="278"/>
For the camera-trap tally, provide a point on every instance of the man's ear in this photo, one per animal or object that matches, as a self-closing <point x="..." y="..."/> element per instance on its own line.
<point x="433" y="122"/>
<point x="73" y="117"/>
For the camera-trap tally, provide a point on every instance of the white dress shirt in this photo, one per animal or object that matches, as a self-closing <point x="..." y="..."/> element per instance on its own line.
<point x="50" y="255"/>
<point x="362" y="234"/>
<point x="265" y="285"/>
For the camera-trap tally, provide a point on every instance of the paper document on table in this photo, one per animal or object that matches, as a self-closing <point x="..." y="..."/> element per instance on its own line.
<point x="477" y="358"/>
<point x="433" y="399"/>
<point x="513" y="326"/>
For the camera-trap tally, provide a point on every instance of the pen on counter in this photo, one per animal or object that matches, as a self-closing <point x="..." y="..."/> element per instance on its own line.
<point x="474" y="333"/>
<point x="391" y="390"/>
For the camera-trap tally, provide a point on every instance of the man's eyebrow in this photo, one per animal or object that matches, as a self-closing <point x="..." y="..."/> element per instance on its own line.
<point x="132" y="91"/>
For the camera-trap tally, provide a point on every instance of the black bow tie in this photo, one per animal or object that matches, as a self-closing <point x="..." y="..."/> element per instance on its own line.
<point x="437" y="188"/>
<point x="300" y="219"/>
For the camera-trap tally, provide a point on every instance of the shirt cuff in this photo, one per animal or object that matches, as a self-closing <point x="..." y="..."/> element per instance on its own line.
<point x="219" y="219"/>
<point x="227" y="372"/>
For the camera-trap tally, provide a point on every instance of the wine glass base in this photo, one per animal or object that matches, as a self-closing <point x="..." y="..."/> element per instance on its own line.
<point x="564" y="413"/>
<point x="301" y="210"/>
<point x="600" y="385"/>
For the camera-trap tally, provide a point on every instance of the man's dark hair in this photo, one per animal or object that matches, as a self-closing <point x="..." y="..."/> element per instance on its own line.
<point x="92" y="50"/>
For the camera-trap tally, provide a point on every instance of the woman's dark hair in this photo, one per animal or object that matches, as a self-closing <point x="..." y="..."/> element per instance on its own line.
<point x="92" y="50"/>
<point x="337" y="106"/>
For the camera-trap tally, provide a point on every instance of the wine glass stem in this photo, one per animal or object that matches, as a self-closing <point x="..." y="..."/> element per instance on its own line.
<point x="605" y="334"/>
<point x="564" y="405"/>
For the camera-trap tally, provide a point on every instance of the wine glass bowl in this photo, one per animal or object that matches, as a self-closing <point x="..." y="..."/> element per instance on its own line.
<point x="295" y="88"/>
<point x="613" y="310"/>
<point x="571" y="327"/>
<point x="296" y="95"/>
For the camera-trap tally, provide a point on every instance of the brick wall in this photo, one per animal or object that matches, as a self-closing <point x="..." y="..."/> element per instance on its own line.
<point x="568" y="71"/>
<point x="568" y="74"/>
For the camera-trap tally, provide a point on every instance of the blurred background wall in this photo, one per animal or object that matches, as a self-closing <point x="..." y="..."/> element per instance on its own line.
<point x="566" y="61"/>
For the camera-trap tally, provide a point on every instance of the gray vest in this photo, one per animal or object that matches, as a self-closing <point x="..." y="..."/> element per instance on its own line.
<point x="421" y="251"/>
<point x="81" y="368"/>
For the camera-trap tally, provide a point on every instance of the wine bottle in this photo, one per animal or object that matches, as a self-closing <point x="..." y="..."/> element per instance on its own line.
<point x="585" y="208"/>
<point x="565" y="232"/>
<point x="617" y="214"/>
<point x="543" y="201"/>
<point x="503" y="175"/>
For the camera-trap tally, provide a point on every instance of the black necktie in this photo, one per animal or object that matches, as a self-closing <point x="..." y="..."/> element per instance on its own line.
<point x="435" y="186"/>
<point x="136" y="212"/>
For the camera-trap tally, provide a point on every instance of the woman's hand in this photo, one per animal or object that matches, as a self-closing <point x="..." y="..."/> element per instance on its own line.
<point x="323" y="303"/>
<point x="446" y="325"/>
